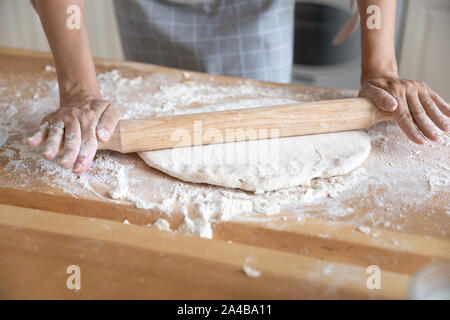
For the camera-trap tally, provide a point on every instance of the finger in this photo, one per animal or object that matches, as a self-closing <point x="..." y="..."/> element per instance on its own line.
<point x="108" y="122"/>
<point x="420" y="117"/>
<point x="433" y="112"/>
<point x="442" y="105"/>
<point x="89" y="144"/>
<point x="39" y="136"/>
<point x="406" y="123"/>
<point x="380" y="97"/>
<point x="72" y="143"/>
<point x="87" y="152"/>
<point x="54" y="139"/>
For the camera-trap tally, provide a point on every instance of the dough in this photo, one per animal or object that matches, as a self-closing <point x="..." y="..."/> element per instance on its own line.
<point x="264" y="165"/>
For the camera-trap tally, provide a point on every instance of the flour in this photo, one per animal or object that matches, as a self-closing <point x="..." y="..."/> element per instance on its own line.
<point x="161" y="224"/>
<point x="250" y="271"/>
<point x="118" y="178"/>
<point x="364" y="229"/>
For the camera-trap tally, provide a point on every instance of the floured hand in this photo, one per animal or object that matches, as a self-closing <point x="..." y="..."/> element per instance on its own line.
<point x="77" y="126"/>
<point x="418" y="110"/>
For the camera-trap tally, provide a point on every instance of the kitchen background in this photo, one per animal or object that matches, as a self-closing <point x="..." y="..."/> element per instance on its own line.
<point x="422" y="39"/>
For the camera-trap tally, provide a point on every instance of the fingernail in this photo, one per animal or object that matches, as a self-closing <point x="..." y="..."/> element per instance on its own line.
<point x="393" y="105"/>
<point x="33" y="136"/>
<point x="77" y="167"/>
<point x="103" y="134"/>
<point x="48" y="151"/>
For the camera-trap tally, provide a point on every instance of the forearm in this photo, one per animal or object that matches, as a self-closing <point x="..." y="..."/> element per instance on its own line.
<point x="70" y="48"/>
<point x="378" y="45"/>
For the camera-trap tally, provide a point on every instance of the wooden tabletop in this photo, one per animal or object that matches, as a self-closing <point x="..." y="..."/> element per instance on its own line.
<point x="45" y="228"/>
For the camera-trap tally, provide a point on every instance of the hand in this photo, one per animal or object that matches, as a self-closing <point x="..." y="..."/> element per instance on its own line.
<point x="76" y="125"/>
<point x="418" y="110"/>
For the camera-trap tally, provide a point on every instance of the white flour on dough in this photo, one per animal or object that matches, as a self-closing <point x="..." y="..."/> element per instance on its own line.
<point x="265" y="165"/>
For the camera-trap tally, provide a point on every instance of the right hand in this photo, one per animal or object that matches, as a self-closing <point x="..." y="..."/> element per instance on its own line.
<point x="419" y="111"/>
<point x="78" y="125"/>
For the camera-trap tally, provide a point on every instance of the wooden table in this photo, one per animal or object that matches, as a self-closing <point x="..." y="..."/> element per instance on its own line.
<point x="44" y="230"/>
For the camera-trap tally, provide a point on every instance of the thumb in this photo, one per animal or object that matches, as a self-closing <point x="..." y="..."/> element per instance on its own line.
<point x="380" y="97"/>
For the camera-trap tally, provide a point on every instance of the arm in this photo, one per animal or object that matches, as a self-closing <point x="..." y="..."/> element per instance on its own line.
<point x="83" y="117"/>
<point x="418" y="110"/>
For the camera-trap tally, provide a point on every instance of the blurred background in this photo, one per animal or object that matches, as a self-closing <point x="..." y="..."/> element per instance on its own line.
<point x="422" y="39"/>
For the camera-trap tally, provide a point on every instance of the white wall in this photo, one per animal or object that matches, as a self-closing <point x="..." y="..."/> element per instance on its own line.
<point x="425" y="53"/>
<point x="20" y="27"/>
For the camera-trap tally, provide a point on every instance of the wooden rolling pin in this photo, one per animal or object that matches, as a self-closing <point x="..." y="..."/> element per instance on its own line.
<point x="206" y="128"/>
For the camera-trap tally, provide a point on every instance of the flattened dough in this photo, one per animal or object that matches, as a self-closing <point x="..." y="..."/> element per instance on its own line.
<point x="294" y="161"/>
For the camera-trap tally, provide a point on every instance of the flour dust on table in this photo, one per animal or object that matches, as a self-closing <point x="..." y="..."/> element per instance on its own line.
<point x="123" y="179"/>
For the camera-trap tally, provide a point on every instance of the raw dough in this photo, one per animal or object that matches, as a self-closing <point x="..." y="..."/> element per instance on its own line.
<point x="265" y="165"/>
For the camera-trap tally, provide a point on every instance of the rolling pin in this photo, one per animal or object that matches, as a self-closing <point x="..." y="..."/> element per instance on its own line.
<point x="287" y="120"/>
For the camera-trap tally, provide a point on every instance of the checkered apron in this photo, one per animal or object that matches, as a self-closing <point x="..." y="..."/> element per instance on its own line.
<point x="242" y="38"/>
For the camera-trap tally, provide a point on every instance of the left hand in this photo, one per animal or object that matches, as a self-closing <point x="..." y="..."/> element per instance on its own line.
<point x="418" y="110"/>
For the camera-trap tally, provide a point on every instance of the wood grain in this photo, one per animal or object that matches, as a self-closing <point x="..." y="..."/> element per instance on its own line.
<point x="394" y="251"/>
<point x="133" y="261"/>
<point x="244" y="124"/>
<point x="38" y="246"/>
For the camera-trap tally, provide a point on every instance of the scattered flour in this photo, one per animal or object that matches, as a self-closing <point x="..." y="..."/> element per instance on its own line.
<point x="328" y="269"/>
<point x="364" y="229"/>
<point x="250" y="271"/>
<point x="114" y="177"/>
<point x="160" y="224"/>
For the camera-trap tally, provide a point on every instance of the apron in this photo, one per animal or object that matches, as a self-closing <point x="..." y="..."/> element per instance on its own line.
<point x="241" y="38"/>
